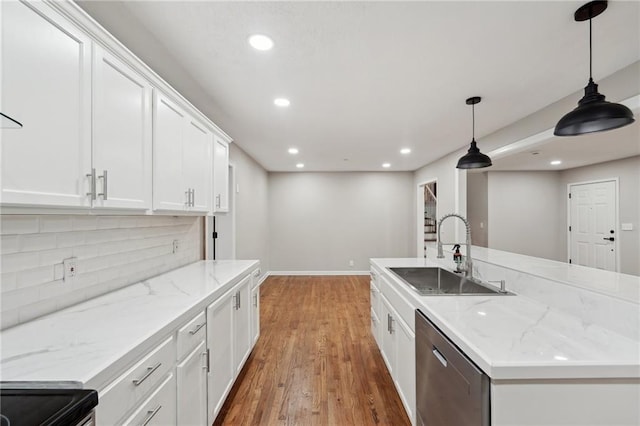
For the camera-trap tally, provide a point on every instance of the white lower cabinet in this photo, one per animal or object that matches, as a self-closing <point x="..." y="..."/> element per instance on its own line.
<point x="159" y="408"/>
<point x="220" y="342"/>
<point x="397" y="346"/>
<point x="185" y="379"/>
<point x="255" y="315"/>
<point x="191" y="376"/>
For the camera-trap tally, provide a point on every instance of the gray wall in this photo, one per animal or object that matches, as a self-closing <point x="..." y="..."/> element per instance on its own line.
<point x="321" y="221"/>
<point x="525" y="214"/>
<point x="477" y="207"/>
<point x="252" y="212"/>
<point x="628" y="172"/>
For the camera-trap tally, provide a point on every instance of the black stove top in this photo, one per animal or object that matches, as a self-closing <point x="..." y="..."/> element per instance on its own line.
<point x="50" y="407"/>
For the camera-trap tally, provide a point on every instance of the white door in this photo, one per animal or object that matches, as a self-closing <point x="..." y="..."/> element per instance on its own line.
<point x="169" y="191"/>
<point x="46" y="85"/>
<point x="196" y="153"/>
<point x="405" y="368"/>
<point x="121" y="134"/>
<point x="192" y="388"/>
<point x="592" y="213"/>
<point x="220" y="341"/>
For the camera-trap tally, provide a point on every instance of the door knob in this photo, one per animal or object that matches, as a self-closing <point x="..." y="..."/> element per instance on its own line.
<point x="609" y="239"/>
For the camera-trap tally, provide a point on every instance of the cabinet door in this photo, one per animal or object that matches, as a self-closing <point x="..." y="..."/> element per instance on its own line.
<point x="220" y="344"/>
<point x="46" y="85"/>
<point x="158" y="409"/>
<point x="169" y="191"/>
<point x="197" y="161"/>
<point x="121" y="134"/>
<point x="242" y="323"/>
<point x="220" y="175"/>
<point x="255" y="315"/>
<point x="388" y="347"/>
<point x="405" y="369"/>
<point x="192" y="388"/>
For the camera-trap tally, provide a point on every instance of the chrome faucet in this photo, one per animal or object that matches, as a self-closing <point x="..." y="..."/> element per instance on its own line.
<point x="468" y="264"/>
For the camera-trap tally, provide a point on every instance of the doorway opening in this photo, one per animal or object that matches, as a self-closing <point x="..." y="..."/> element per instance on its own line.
<point x="427" y="215"/>
<point x="593" y="224"/>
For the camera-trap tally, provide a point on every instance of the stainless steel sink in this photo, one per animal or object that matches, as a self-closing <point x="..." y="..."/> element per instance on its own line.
<point x="437" y="281"/>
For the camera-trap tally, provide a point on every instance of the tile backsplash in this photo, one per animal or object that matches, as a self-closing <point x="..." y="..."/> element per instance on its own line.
<point x="110" y="252"/>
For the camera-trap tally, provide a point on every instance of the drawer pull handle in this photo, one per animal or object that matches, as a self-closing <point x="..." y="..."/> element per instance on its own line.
<point x="149" y="372"/>
<point x="151" y="414"/>
<point x="198" y="327"/>
<point x="440" y="357"/>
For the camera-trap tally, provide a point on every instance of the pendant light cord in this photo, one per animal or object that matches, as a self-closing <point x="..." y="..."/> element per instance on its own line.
<point x="473" y="122"/>
<point x="590" y="53"/>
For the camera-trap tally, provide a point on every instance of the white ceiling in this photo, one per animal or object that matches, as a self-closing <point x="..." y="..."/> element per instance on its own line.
<point x="368" y="78"/>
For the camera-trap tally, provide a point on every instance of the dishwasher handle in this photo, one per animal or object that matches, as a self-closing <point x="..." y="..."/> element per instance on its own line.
<point x="439" y="355"/>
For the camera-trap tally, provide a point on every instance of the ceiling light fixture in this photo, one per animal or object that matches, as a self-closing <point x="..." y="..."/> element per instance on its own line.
<point x="300" y="165"/>
<point x="260" y="42"/>
<point x="386" y="165"/>
<point x="556" y="162"/>
<point x="282" y="102"/>
<point x="473" y="159"/>
<point x="405" y="151"/>
<point x="593" y="113"/>
<point x="293" y="151"/>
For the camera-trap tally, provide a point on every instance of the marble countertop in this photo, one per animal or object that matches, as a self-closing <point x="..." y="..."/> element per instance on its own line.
<point x="514" y="337"/>
<point x="87" y="344"/>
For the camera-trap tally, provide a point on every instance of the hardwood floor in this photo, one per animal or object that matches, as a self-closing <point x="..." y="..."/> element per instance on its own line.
<point x="316" y="362"/>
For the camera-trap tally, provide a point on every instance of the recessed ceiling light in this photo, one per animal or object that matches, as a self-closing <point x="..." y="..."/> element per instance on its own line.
<point x="300" y="165"/>
<point x="556" y="162"/>
<point x="281" y="102"/>
<point x="386" y="165"/>
<point x="405" y="151"/>
<point x="560" y="358"/>
<point x="293" y="150"/>
<point x="260" y="42"/>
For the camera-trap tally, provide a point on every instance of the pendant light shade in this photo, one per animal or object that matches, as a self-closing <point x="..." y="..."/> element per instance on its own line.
<point x="473" y="159"/>
<point x="593" y="113"/>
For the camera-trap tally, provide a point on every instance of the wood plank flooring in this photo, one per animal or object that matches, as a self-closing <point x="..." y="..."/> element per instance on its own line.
<point x="316" y="362"/>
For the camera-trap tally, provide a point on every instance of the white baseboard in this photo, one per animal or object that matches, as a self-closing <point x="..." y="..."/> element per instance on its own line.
<point x="318" y="273"/>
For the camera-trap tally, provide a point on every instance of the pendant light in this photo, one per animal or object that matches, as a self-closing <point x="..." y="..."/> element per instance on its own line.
<point x="7" y="122"/>
<point x="593" y="113"/>
<point x="473" y="159"/>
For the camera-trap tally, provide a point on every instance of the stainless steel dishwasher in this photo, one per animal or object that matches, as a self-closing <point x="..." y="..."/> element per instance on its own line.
<point x="450" y="389"/>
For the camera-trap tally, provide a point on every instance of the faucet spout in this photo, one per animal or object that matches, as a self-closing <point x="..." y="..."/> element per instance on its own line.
<point x="468" y="262"/>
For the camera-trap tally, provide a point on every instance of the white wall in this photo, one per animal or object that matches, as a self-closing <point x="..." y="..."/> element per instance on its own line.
<point x="111" y="252"/>
<point x="628" y="173"/>
<point x="320" y="221"/>
<point x="251" y="203"/>
<point x="525" y="214"/>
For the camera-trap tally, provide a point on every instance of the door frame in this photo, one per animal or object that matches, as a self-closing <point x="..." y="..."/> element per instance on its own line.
<point x="420" y="215"/>
<point x="616" y="206"/>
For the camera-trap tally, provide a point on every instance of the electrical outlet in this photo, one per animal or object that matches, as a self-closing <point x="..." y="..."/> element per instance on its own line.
<point x="176" y="246"/>
<point x="351" y="263"/>
<point x="70" y="269"/>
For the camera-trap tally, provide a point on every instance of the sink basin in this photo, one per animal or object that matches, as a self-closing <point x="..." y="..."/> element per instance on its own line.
<point x="440" y="282"/>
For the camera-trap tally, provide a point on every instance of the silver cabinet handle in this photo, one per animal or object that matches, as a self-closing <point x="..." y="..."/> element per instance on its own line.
<point x="440" y="357"/>
<point x="198" y="327"/>
<point x="255" y="300"/>
<point x="389" y="323"/>
<point x="149" y="372"/>
<point x="238" y="300"/>
<point x="104" y="184"/>
<point x="92" y="190"/>
<point x="151" y="414"/>
<point x="187" y="193"/>
<point x="256" y="273"/>
<point x="206" y="363"/>
<point x="193" y="197"/>
<point x="218" y="201"/>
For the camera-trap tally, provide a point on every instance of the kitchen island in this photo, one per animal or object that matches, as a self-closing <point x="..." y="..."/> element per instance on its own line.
<point x="547" y="365"/>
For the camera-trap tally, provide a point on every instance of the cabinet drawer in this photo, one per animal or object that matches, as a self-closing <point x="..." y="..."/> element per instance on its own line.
<point x="159" y="408"/>
<point x="191" y="334"/>
<point x="126" y="392"/>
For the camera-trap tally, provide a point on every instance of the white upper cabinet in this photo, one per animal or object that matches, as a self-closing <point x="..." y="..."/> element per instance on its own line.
<point x="46" y="85"/>
<point x="121" y="134"/>
<point x="181" y="159"/>
<point x="220" y="175"/>
<point x="197" y="164"/>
